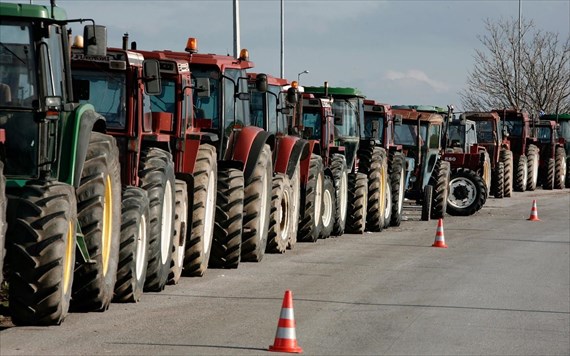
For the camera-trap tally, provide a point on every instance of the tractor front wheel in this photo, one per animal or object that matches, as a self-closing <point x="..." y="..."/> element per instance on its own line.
<point x="521" y="175"/>
<point x="439" y="180"/>
<point x="180" y="225"/>
<point x="311" y="202"/>
<point x="328" y="209"/>
<point x="281" y="215"/>
<point x="467" y="193"/>
<point x="357" y="203"/>
<point x="340" y="178"/>
<point x="560" y="168"/>
<point x="398" y="183"/>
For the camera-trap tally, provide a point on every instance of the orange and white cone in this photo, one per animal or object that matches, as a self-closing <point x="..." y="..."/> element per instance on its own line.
<point x="533" y="212"/>
<point x="285" y="337"/>
<point x="439" y="236"/>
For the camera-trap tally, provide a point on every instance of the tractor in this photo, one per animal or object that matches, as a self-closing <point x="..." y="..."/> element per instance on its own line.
<point x="552" y="165"/>
<point x="563" y="121"/>
<point x="379" y="126"/>
<point x="62" y="173"/>
<point x="517" y="138"/>
<point x="244" y="154"/>
<point x="470" y="165"/>
<point x="269" y="111"/>
<point x="490" y="136"/>
<point x="427" y="175"/>
<point x="366" y="165"/>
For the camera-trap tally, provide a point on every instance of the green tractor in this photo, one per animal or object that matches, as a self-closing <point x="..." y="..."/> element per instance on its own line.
<point x="63" y="184"/>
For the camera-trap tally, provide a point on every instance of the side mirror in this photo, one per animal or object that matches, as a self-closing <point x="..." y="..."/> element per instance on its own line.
<point x="261" y="83"/>
<point x="243" y="96"/>
<point x="397" y="119"/>
<point x="292" y="96"/>
<point x="203" y="87"/>
<point x="151" y="75"/>
<point x="95" y="40"/>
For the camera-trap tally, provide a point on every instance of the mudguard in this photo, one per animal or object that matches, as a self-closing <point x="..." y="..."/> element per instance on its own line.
<point x="290" y="150"/>
<point x="313" y="146"/>
<point x="246" y="147"/>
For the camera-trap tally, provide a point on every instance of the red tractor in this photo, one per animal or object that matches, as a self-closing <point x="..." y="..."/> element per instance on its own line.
<point x="517" y="137"/>
<point x="379" y="126"/>
<point x="552" y="167"/>
<point x="563" y="121"/>
<point x="490" y="136"/>
<point x="269" y="109"/>
<point x="244" y="158"/>
<point x="470" y="167"/>
<point x="119" y="85"/>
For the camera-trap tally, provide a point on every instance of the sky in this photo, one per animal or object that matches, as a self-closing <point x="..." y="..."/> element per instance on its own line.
<point x="396" y="52"/>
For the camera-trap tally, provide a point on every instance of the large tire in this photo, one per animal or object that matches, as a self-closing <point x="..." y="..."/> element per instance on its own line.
<point x="199" y="237"/>
<point x="532" y="161"/>
<point x="398" y="183"/>
<point x="521" y="174"/>
<point x="373" y="164"/>
<point x="281" y="215"/>
<point x="311" y="202"/>
<point x="226" y="245"/>
<point x="340" y="178"/>
<point x="99" y="215"/>
<point x="256" y="203"/>
<point x="157" y="178"/>
<point x="388" y="203"/>
<point x="439" y="180"/>
<point x="328" y="209"/>
<point x="357" y="203"/>
<point x="548" y="183"/>
<point x="485" y="173"/>
<point x="506" y="157"/>
<point x="180" y="226"/>
<point x="295" y="203"/>
<point x="467" y="193"/>
<point x="133" y="254"/>
<point x="3" y="225"/>
<point x="427" y="202"/>
<point x="560" y="168"/>
<point x="41" y="252"/>
<point x="498" y="185"/>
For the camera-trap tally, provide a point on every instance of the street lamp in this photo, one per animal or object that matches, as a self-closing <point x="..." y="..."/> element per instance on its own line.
<point x="299" y="75"/>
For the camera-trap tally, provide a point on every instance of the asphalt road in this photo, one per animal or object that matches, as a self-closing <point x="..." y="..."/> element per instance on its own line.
<point x="501" y="288"/>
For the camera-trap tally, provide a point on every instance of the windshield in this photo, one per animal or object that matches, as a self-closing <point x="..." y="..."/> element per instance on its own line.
<point x="544" y="134"/>
<point x="208" y="107"/>
<point x="406" y="134"/>
<point x="105" y="91"/>
<point x="514" y="127"/>
<point x="312" y="119"/>
<point x="485" y="131"/>
<point x="346" y="117"/>
<point x="17" y="65"/>
<point x="374" y="126"/>
<point x="564" y="130"/>
<point x="456" y="136"/>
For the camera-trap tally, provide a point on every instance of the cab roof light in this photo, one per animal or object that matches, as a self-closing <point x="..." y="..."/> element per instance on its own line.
<point x="192" y="45"/>
<point x="294" y="84"/>
<point x="78" y="42"/>
<point x="244" y="55"/>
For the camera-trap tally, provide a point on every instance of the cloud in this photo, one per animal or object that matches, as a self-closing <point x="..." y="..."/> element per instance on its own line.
<point x="415" y="75"/>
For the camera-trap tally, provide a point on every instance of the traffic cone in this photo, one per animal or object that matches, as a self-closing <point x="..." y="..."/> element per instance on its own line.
<point x="533" y="212"/>
<point x="285" y="337"/>
<point x="439" y="238"/>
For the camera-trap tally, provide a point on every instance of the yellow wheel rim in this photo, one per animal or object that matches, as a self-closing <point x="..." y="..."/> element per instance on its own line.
<point x="68" y="259"/>
<point x="107" y="225"/>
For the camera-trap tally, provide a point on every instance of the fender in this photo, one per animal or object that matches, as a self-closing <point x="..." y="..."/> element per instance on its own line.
<point x="85" y="120"/>
<point x="248" y="146"/>
<point x="290" y="150"/>
<point x="313" y="146"/>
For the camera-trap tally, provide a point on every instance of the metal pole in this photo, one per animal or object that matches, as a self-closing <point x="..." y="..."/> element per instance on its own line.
<point x="518" y="76"/>
<point x="282" y="38"/>
<point x="236" y="29"/>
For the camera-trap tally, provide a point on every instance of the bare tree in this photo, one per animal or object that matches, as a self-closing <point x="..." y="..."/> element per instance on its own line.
<point x="530" y="72"/>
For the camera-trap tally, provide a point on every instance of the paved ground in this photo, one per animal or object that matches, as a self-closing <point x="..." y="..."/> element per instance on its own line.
<point x="501" y="288"/>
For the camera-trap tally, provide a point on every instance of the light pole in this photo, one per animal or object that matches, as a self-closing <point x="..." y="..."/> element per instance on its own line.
<point x="299" y="75"/>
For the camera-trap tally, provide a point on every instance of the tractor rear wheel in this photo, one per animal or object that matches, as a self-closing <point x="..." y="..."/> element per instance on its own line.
<point x="532" y="161"/>
<point x="467" y="193"/>
<point x="99" y="215"/>
<point x="373" y="164"/>
<point x="311" y="202"/>
<point x="157" y="178"/>
<point x="506" y="157"/>
<point x="439" y="180"/>
<point x="397" y="179"/>
<point x="133" y="254"/>
<point x="549" y="175"/>
<point x="281" y="215"/>
<point x="295" y="203"/>
<point x="328" y="209"/>
<point x="180" y="225"/>
<point x="41" y="252"/>
<point x="521" y="174"/>
<point x="257" y="199"/>
<point x="340" y="178"/>
<point x="199" y="236"/>
<point x="560" y="168"/>
<point x="498" y="185"/>
<point x="3" y="225"/>
<point x="426" y="203"/>
<point x="226" y="245"/>
<point x="357" y="203"/>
